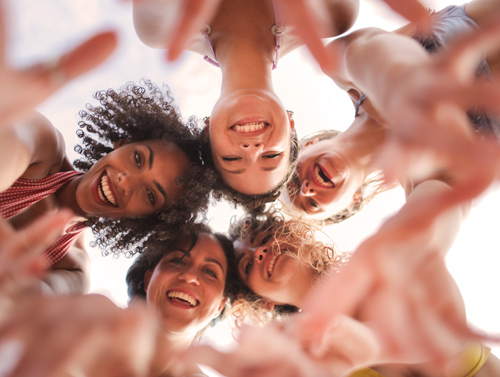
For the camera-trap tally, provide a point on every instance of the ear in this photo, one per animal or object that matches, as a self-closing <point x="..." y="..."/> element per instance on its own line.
<point x="147" y="279"/>
<point x="119" y="143"/>
<point x="290" y="118"/>
<point x="357" y="198"/>
<point x="311" y="142"/>
<point x="221" y="306"/>
<point x="268" y="305"/>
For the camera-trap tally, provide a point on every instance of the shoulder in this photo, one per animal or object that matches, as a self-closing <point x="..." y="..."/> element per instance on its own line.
<point x="46" y="145"/>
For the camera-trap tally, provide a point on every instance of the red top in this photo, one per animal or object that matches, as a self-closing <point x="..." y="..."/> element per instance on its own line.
<point x="25" y="192"/>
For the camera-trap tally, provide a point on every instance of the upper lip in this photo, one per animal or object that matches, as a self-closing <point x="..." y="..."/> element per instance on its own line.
<point x="111" y="187"/>
<point x="313" y="178"/>
<point x="252" y="134"/>
<point x="186" y="291"/>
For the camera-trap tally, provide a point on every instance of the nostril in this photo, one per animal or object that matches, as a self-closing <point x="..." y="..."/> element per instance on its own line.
<point x="264" y="251"/>
<point x="256" y="145"/>
<point x="245" y="145"/>
<point x="260" y="257"/>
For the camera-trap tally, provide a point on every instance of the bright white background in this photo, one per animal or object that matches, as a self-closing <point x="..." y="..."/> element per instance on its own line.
<point x="39" y="30"/>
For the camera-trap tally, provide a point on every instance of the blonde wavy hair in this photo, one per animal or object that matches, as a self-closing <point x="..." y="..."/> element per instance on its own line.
<point x="371" y="187"/>
<point x="322" y="257"/>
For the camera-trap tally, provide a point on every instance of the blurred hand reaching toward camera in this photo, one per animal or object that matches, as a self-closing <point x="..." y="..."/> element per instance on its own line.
<point x="22" y="90"/>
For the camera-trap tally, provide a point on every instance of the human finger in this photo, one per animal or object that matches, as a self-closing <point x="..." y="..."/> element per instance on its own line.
<point x="299" y="14"/>
<point x="412" y="10"/>
<point x="192" y="15"/>
<point x="207" y="355"/>
<point x="464" y="53"/>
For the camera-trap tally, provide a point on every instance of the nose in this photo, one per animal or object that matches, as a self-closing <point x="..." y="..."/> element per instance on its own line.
<point x="252" y="148"/>
<point x="127" y="182"/>
<point x="306" y="189"/>
<point x="260" y="253"/>
<point x="189" y="276"/>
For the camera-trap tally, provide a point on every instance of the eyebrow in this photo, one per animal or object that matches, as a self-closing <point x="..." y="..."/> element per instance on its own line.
<point x="216" y="262"/>
<point x="160" y="189"/>
<point x="234" y="171"/>
<point x="270" y="169"/>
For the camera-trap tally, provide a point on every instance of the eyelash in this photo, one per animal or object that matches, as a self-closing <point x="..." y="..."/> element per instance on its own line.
<point x="179" y="262"/>
<point x="231" y="158"/>
<point x="271" y="156"/>
<point x="266" y="239"/>
<point x="151" y="197"/>
<point x="248" y="267"/>
<point x="138" y="159"/>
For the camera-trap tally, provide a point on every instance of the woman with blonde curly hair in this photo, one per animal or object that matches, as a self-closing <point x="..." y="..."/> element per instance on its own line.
<point x="279" y="260"/>
<point x="413" y="91"/>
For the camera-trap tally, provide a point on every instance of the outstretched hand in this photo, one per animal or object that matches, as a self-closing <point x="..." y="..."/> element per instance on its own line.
<point x="397" y="282"/>
<point x="46" y="78"/>
<point x="20" y="255"/>
<point x="48" y="336"/>
<point x="425" y="109"/>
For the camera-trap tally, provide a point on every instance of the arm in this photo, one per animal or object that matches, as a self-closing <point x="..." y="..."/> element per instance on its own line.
<point x="70" y="275"/>
<point x="31" y="148"/>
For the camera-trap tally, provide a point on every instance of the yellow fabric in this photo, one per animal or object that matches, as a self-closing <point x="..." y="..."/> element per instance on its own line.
<point x="367" y="372"/>
<point x="468" y="362"/>
<point x="464" y="364"/>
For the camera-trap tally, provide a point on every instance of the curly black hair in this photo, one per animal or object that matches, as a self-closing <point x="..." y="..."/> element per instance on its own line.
<point x="142" y="112"/>
<point x="251" y="203"/>
<point x="156" y="249"/>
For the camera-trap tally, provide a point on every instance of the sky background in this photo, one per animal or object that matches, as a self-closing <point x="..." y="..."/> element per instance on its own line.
<point x="41" y="30"/>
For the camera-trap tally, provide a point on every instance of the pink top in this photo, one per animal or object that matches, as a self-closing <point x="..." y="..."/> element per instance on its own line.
<point x="26" y="192"/>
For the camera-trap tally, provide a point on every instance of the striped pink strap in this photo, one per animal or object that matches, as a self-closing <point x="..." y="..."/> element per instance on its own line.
<point x="26" y="192"/>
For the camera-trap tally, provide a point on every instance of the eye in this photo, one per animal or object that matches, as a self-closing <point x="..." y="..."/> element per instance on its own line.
<point x="314" y="205"/>
<point x="248" y="267"/>
<point x="231" y="158"/>
<point x="210" y="272"/>
<point x="138" y="159"/>
<point x="266" y="239"/>
<point x="151" y="197"/>
<point x="176" y="261"/>
<point x="274" y="155"/>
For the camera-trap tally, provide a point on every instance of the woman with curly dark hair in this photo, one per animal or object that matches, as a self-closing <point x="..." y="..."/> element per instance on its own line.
<point x="140" y="176"/>
<point x="188" y="283"/>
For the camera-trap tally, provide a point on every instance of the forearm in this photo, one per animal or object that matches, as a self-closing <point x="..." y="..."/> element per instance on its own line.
<point x="433" y="230"/>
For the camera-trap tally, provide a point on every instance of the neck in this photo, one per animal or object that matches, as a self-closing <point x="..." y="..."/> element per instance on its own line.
<point x="168" y="345"/>
<point x="301" y="291"/>
<point x="66" y="196"/>
<point x="244" y="44"/>
<point x="359" y="143"/>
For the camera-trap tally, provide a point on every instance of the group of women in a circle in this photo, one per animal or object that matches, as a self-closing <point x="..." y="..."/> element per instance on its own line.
<point x="144" y="179"/>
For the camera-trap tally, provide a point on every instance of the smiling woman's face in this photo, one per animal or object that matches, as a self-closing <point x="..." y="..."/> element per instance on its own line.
<point x="325" y="182"/>
<point x="135" y="180"/>
<point x="188" y="294"/>
<point x="250" y="137"/>
<point x="270" y="271"/>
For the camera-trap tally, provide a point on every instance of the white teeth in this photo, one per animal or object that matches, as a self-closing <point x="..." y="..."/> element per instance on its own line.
<point x="321" y="178"/>
<point x="250" y="127"/>
<point x="271" y="264"/>
<point x="182" y="296"/>
<point x="105" y="193"/>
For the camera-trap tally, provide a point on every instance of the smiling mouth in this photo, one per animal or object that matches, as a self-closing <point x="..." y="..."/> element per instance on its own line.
<point x="250" y="127"/>
<point x="183" y="298"/>
<point x="272" y="264"/>
<point x="322" y="177"/>
<point x="104" y="191"/>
